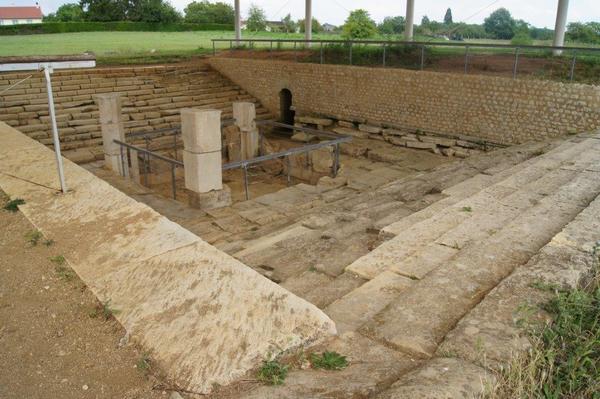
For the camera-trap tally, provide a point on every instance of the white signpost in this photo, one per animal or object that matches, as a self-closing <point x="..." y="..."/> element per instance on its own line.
<point x="48" y="65"/>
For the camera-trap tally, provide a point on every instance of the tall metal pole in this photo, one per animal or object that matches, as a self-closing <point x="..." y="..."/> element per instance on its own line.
<point x="410" y="20"/>
<point x="238" y="23"/>
<point x="561" y="23"/>
<point x="55" y="138"/>
<point x="308" y="22"/>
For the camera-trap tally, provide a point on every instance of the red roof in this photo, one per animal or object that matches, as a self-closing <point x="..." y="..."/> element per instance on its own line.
<point x="21" y="13"/>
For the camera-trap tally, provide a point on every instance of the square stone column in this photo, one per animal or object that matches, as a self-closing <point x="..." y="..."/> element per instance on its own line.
<point x="244" y="114"/>
<point x="201" y="131"/>
<point x="111" y="124"/>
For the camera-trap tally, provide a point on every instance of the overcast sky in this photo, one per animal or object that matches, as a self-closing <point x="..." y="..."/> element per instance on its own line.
<point x="538" y="12"/>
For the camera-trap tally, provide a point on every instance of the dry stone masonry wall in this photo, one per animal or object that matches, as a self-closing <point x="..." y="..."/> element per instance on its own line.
<point x="153" y="97"/>
<point x="497" y="109"/>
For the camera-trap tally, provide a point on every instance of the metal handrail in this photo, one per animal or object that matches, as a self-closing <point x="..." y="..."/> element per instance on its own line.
<point x="410" y="43"/>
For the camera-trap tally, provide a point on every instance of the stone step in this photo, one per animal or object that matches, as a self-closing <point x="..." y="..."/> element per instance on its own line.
<point x="495" y="328"/>
<point x="419" y="319"/>
<point x="372" y="368"/>
<point x="341" y="285"/>
<point x="360" y="305"/>
<point x="441" y="378"/>
<point x="444" y="218"/>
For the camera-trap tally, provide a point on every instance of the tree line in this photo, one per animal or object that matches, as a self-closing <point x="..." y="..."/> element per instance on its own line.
<point x="359" y="25"/>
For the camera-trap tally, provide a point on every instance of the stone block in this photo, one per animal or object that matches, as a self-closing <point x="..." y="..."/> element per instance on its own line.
<point x="201" y="130"/>
<point x="314" y="121"/>
<point x="210" y="200"/>
<point x="346" y="124"/>
<point x="203" y="172"/>
<point x="441" y="141"/>
<point x="351" y="132"/>
<point x="420" y="145"/>
<point x="369" y="129"/>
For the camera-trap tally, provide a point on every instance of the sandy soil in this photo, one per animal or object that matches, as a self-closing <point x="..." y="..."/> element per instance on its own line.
<point x="51" y="346"/>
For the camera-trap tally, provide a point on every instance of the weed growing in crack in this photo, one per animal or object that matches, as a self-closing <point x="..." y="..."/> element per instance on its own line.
<point x="58" y="260"/>
<point x="104" y="310"/>
<point x="467" y="209"/>
<point x="33" y="237"/>
<point x="328" y="361"/>
<point x="272" y="372"/>
<point x="144" y="363"/>
<point x="13" y="205"/>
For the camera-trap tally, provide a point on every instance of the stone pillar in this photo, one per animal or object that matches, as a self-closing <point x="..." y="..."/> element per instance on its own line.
<point x="244" y="114"/>
<point x="111" y="123"/>
<point x="410" y="20"/>
<point x="201" y="131"/>
<point x="238" y="23"/>
<point x="308" y="21"/>
<point x="561" y="24"/>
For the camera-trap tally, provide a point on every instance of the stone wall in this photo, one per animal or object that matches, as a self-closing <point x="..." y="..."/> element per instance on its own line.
<point x="153" y="97"/>
<point x="498" y="109"/>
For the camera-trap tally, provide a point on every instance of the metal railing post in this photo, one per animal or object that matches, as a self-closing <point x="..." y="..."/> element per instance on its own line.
<point x="271" y="49"/>
<point x="321" y="53"/>
<point x="350" y="52"/>
<point x="422" y="57"/>
<point x="295" y="51"/>
<point x="173" y="182"/>
<point x="572" y="73"/>
<point x="466" y="60"/>
<point x="384" y="50"/>
<point x="336" y="160"/>
<point x="289" y="169"/>
<point x="516" y="66"/>
<point x="245" y="168"/>
<point x="214" y="48"/>
<point x="122" y="156"/>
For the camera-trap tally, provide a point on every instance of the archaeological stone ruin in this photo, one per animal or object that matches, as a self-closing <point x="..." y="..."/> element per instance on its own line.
<point x="240" y="210"/>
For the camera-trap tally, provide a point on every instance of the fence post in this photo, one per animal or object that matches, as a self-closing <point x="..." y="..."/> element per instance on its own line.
<point x="321" y="53"/>
<point x="384" y="49"/>
<point x="350" y="52"/>
<point x="214" y="48"/>
<point x="466" y="60"/>
<point x="516" y="66"/>
<point x="173" y="182"/>
<point x="572" y="73"/>
<point x="245" y="168"/>
<point x="422" y="57"/>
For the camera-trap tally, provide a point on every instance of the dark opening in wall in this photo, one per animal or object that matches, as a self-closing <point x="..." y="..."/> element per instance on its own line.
<point x="286" y="107"/>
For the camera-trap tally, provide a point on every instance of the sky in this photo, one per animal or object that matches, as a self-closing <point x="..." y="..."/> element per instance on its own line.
<point x="540" y="13"/>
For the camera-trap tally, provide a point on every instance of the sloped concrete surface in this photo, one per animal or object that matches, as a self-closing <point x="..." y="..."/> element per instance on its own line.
<point x="205" y="317"/>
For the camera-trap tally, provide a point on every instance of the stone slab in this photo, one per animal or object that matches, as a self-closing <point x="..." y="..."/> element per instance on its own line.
<point x="205" y="317"/>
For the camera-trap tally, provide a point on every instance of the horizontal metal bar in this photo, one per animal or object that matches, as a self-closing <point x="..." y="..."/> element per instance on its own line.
<point x="394" y="42"/>
<point x="153" y="154"/>
<point x="282" y="154"/>
<point x="175" y="130"/>
<point x="319" y="133"/>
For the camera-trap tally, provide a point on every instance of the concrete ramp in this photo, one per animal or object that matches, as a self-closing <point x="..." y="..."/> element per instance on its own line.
<point x="205" y="317"/>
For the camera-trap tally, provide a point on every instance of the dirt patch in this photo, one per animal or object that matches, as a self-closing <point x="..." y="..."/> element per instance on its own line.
<point x="52" y="344"/>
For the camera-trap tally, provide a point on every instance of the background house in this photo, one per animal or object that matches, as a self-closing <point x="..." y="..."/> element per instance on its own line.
<point x="20" y="15"/>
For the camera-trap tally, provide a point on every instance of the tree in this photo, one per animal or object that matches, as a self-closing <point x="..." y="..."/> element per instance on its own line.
<point x="500" y="24"/>
<point x="204" y="12"/>
<point x="289" y="26"/>
<point x="425" y="21"/>
<point x="359" y="25"/>
<point x="257" y="19"/>
<point x="392" y="25"/>
<point x="70" y="12"/>
<point x="152" y="11"/>
<point x="584" y="32"/>
<point x="316" y="26"/>
<point x="104" y="10"/>
<point x="448" y="17"/>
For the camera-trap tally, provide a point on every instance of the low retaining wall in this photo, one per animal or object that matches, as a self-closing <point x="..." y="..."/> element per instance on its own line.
<point x="497" y="109"/>
<point x="204" y="317"/>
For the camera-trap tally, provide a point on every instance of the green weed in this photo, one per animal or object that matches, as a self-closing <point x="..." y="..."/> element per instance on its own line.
<point x="34" y="237"/>
<point x="328" y="361"/>
<point x="104" y="310"/>
<point x="272" y="372"/>
<point x="13" y="205"/>
<point x="58" y="260"/>
<point x="467" y="209"/>
<point x="144" y="363"/>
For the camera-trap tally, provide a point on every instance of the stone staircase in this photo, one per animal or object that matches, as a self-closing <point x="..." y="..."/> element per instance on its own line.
<point x="422" y="267"/>
<point x="153" y="97"/>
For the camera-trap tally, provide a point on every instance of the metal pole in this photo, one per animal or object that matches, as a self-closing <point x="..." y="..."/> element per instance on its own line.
<point x="384" y="50"/>
<point x="321" y="52"/>
<point x="238" y="22"/>
<point x="422" y="57"/>
<point x="55" y="138"/>
<point x="271" y="49"/>
<point x="336" y="160"/>
<point x="145" y="170"/>
<point x="295" y="52"/>
<point x="308" y="22"/>
<point x="516" y="66"/>
<point x="289" y="168"/>
<point x="572" y="74"/>
<point x="350" y="52"/>
<point x="173" y="184"/>
<point x="245" y="167"/>
<point x="214" y="48"/>
<point x="466" y="60"/>
<point x="175" y="143"/>
<point x="122" y="161"/>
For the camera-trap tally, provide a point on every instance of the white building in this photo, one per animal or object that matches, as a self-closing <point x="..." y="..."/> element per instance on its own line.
<point x="20" y="15"/>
